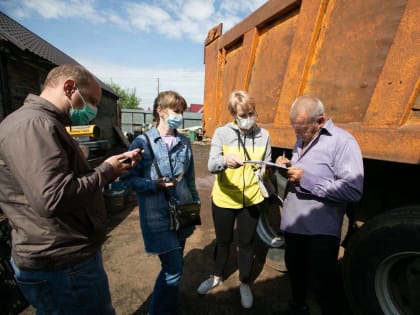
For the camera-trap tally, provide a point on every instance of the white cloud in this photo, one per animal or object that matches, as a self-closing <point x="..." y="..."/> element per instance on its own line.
<point x="146" y="17"/>
<point x="188" y="83"/>
<point x="190" y="19"/>
<point x="53" y="9"/>
<point x="197" y="10"/>
<point x="174" y="19"/>
<point x="177" y="19"/>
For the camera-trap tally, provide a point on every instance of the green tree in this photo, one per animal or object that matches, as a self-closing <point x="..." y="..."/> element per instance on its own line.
<point x="127" y="97"/>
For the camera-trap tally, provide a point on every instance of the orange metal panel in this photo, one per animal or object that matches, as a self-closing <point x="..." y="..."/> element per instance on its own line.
<point x="398" y="86"/>
<point x="307" y="31"/>
<point x="350" y="53"/>
<point x="270" y="65"/>
<point x="359" y="57"/>
<point x="270" y="10"/>
<point x="212" y="107"/>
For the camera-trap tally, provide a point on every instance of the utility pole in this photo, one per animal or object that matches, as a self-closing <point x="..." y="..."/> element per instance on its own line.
<point x="158" y="86"/>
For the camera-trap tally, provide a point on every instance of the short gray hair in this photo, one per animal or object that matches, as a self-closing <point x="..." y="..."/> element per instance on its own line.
<point x="309" y="104"/>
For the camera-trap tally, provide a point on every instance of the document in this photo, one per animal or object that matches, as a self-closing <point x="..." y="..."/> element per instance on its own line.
<point x="266" y="163"/>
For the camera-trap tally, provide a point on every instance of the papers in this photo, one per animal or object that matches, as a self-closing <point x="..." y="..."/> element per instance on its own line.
<point x="281" y="167"/>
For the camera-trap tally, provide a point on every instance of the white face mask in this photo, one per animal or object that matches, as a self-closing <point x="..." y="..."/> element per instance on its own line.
<point x="246" y="123"/>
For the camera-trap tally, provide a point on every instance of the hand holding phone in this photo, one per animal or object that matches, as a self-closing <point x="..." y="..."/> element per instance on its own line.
<point x="126" y="161"/>
<point x="132" y="156"/>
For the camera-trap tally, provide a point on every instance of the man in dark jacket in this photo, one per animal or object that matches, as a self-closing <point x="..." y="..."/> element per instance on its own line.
<point x="53" y="198"/>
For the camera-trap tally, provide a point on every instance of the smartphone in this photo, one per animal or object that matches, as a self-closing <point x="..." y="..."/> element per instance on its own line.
<point x="126" y="161"/>
<point x="175" y="179"/>
<point x="179" y="177"/>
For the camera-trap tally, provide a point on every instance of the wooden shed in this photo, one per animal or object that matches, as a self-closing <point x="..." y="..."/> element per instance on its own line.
<point x="26" y="59"/>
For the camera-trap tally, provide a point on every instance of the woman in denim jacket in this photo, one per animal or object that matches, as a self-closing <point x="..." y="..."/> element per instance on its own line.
<point x="173" y="154"/>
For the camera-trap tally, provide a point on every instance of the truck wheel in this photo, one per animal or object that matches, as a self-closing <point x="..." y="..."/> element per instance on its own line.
<point x="381" y="265"/>
<point x="268" y="231"/>
<point x="268" y="227"/>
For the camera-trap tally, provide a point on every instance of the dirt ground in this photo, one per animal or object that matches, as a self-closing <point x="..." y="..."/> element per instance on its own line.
<point x="132" y="272"/>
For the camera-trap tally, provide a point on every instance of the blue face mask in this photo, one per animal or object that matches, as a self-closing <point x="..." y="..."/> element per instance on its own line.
<point x="83" y="116"/>
<point x="174" y="121"/>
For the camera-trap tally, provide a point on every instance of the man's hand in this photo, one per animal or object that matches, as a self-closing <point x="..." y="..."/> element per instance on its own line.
<point x="294" y="174"/>
<point x="121" y="163"/>
<point x="282" y="160"/>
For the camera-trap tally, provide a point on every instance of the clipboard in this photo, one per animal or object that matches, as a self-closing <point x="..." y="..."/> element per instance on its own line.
<point x="282" y="169"/>
<point x="266" y="163"/>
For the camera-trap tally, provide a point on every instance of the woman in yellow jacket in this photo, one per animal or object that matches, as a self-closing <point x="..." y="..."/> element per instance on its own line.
<point x="236" y="195"/>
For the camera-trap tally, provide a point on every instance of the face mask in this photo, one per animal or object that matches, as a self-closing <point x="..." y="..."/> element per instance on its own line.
<point x="83" y="116"/>
<point x="174" y="121"/>
<point x="245" y="123"/>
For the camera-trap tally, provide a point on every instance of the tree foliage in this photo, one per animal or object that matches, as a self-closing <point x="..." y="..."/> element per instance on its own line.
<point x="127" y="97"/>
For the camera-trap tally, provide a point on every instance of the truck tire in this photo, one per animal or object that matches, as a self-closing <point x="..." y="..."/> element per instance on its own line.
<point x="268" y="227"/>
<point x="381" y="265"/>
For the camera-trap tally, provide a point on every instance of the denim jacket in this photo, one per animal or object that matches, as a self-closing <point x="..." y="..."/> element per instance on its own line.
<point x="152" y="201"/>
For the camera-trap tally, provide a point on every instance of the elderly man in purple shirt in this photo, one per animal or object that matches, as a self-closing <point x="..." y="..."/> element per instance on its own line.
<point x="325" y="174"/>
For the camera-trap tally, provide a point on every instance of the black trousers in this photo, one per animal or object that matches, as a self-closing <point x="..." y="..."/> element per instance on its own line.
<point x="246" y="223"/>
<point x="311" y="261"/>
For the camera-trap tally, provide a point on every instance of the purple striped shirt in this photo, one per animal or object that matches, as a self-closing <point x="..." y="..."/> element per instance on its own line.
<point x="333" y="176"/>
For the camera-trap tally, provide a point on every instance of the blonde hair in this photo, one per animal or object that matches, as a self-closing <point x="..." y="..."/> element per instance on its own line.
<point x="240" y="98"/>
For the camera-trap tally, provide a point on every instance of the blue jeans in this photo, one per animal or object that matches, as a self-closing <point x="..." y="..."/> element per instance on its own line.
<point x="164" y="300"/>
<point x="81" y="289"/>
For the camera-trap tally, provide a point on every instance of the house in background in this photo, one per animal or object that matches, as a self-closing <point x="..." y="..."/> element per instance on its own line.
<point x="196" y="108"/>
<point x="26" y="59"/>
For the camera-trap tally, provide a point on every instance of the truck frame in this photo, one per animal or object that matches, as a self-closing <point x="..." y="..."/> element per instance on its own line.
<point x="361" y="58"/>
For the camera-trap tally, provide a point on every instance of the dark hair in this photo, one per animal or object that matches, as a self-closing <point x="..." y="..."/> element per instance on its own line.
<point x="168" y="99"/>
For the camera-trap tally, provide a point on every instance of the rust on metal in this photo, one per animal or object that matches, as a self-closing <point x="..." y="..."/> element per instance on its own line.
<point x="360" y="58"/>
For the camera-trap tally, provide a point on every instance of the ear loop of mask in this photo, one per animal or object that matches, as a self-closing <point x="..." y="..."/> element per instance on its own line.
<point x="69" y="98"/>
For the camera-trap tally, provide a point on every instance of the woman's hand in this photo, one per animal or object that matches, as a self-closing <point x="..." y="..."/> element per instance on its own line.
<point x="163" y="183"/>
<point x="233" y="161"/>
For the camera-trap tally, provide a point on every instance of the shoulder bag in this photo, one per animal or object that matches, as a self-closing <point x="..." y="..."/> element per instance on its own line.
<point x="180" y="216"/>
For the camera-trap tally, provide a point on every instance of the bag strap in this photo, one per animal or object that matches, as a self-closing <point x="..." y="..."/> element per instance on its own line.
<point x="155" y="164"/>
<point x="245" y="150"/>
<point x="153" y="155"/>
<point x="242" y="144"/>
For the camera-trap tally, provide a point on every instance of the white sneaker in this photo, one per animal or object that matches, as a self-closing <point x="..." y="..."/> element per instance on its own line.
<point x="208" y="284"/>
<point x="246" y="295"/>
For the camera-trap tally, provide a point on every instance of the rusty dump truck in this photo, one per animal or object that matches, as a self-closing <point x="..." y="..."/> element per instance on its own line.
<point x="362" y="59"/>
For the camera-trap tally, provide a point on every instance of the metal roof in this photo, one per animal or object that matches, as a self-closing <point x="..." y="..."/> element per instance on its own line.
<point x="24" y="39"/>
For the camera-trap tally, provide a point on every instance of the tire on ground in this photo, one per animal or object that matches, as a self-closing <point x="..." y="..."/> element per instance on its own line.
<point x="381" y="266"/>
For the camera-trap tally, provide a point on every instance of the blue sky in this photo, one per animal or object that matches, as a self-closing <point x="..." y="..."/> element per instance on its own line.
<point x="136" y="44"/>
